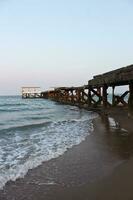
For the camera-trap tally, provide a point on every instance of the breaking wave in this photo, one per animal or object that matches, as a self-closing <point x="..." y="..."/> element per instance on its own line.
<point x="26" y="141"/>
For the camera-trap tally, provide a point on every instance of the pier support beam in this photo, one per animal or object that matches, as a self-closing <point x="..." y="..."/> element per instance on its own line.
<point x="130" y="101"/>
<point x="89" y="97"/>
<point x="78" y="97"/>
<point x="72" y="96"/>
<point x="113" y="96"/>
<point x="105" y="95"/>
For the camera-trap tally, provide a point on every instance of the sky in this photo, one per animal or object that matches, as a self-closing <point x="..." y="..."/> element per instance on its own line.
<point x="62" y="42"/>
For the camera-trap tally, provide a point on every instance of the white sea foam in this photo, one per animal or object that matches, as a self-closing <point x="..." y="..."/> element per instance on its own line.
<point x="24" y="149"/>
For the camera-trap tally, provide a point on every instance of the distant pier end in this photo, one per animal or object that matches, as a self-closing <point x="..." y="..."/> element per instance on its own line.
<point x="31" y="92"/>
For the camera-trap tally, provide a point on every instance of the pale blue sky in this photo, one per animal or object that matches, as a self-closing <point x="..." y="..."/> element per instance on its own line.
<point x="62" y="42"/>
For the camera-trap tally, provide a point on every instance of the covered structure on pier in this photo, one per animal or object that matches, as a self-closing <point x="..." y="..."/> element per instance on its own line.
<point x="31" y="92"/>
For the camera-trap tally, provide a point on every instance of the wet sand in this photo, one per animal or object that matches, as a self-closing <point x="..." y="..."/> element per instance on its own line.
<point x="99" y="168"/>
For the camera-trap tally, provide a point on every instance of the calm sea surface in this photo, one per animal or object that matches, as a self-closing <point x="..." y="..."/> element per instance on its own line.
<point x="33" y="131"/>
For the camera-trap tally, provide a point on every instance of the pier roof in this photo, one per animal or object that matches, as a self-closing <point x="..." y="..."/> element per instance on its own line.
<point x="121" y="76"/>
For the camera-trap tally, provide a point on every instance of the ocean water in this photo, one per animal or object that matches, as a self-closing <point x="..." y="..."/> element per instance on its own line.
<point x="37" y="130"/>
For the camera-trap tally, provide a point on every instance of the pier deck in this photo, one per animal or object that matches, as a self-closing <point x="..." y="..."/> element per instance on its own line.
<point x="118" y="77"/>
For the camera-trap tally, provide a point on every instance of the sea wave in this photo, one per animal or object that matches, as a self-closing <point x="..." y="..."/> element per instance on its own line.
<point x="45" y="123"/>
<point x="24" y="127"/>
<point x="29" y="139"/>
<point x="12" y="104"/>
<point x="45" y="146"/>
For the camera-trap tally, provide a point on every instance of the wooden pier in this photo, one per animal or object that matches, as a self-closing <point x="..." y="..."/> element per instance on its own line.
<point x="95" y="93"/>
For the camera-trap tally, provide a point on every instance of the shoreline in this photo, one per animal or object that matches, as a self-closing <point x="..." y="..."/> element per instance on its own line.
<point x="81" y="172"/>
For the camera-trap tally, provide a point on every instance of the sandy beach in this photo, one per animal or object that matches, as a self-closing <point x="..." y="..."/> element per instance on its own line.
<point x="99" y="168"/>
